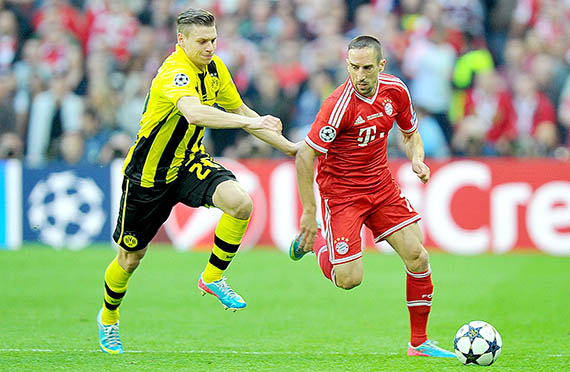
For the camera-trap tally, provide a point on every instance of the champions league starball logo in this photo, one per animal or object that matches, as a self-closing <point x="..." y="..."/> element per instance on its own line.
<point x="66" y="210"/>
<point x="181" y="80"/>
<point x="327" y="134"/>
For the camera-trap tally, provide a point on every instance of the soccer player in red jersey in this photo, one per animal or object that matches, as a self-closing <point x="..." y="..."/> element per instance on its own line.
<point x="349" y="138"/>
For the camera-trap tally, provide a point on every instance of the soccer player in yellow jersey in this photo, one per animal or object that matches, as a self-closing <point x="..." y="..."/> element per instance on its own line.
<point x="168" y="165"/>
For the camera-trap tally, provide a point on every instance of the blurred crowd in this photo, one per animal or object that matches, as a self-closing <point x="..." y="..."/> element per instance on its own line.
<point x="487" y="78"/>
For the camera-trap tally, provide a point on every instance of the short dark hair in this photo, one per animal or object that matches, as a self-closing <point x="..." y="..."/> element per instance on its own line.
<point x="367" y="41"/>
<point x="194" y="16"/>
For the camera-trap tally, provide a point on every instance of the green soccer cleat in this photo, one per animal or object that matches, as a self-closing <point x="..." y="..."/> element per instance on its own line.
<point x="429" y="349"/>
<point x="109" y="340"/>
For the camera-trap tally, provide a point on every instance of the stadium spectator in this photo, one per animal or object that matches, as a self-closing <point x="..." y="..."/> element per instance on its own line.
<point x="535" y="120"/>
<point x="121" y="38"/>
<point x="72" y="149"/>
<point x="9" y="40"/>
<point x="428" y="63"/>
<point x="168" y="165"/>
<point x="53" y="112"/>
<point x="356" y="186"/>
<point x="112" y="24"/>
<point x="488" y="125"/>
<point x="95" y="134"/>
<point x="62" y="12"/>
<point x="318" y="88"/>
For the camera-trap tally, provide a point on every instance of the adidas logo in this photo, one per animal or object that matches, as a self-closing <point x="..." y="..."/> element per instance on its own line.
<point x="359" y="120"/>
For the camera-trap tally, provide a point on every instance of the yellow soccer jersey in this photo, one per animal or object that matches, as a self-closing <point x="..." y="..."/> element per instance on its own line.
<point x="166" y="141"/>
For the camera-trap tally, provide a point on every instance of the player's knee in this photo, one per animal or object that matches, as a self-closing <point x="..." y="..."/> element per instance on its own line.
<point x="418" y="261"/>
<point x="242" y="207"/>
<point x="129" y="261"/>
<point x="348" y="282"/>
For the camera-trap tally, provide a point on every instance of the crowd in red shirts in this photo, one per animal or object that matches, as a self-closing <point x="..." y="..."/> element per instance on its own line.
<point x="487" y="78"/>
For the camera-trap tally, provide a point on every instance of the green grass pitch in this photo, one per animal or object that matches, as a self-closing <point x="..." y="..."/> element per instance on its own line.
<point x="295" y="319"/>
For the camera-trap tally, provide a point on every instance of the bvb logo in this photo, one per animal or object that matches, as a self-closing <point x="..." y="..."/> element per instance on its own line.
<point x="215" y="83"/>
<point x="130" y="241"/>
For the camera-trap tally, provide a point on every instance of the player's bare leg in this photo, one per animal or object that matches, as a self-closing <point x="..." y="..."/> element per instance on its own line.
<point x="407" y="242"/>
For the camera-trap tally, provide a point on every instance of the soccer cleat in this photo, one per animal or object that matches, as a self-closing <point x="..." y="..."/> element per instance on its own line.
<point x="229" y="299"/>
<point x="109" y="339"/>
<point x="429" y="349"/>
<point x="295" y="252"/>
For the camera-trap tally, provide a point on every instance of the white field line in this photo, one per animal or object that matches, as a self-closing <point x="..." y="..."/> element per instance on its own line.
<point x="195" y="352"/>
<point x="214" y="352"/>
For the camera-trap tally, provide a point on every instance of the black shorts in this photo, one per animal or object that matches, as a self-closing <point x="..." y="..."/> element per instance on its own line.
<point x="144" y="209"/>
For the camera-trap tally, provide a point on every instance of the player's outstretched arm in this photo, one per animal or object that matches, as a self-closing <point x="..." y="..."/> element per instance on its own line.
<point x="305" y="164"/>
<point x="210" y="117"/>
<point x="268" y="136"/>
<point x="415" y="152"/>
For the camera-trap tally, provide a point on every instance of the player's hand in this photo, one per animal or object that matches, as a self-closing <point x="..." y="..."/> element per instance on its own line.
<point x="307" y="231"/>
<point x="266" y="122"/>
<point x="421" y="170"/>
<point x="293" y="148"/>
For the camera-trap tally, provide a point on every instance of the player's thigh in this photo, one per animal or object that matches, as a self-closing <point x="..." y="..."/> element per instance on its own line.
<point x="343" y="219"/>
<point x="141" y="213"/>
<point x="407" y="242"/>
<point x="200" y="181"/>
<point x="231" y="198"/>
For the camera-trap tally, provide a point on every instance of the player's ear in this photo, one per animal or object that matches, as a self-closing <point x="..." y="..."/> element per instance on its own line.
<point x="382" y="65"/>
<point x="180" y="38"/>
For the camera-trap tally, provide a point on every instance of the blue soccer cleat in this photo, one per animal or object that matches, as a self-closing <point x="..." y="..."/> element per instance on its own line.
<point x="429" y="349"/>
<point x="295" y="252"/>
<point x="109" y="340"/>
<point x="229" y="299"/>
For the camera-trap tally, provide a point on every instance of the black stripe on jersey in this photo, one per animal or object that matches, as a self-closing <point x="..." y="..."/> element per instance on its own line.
<point x="213" y="69"/>
<point x="226" y="247"/>
<point x="192" y="142"/>
<point x="140" y="153"/>
<point x="203" y="87"/>
<point x="168" y="153"/>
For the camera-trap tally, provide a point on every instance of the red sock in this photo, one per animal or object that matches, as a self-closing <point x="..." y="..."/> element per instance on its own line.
<point x="322" y="253"/>
<point x="419" y="292"/>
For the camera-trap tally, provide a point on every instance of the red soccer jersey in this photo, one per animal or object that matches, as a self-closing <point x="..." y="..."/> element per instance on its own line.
<point x="351" y="131"/>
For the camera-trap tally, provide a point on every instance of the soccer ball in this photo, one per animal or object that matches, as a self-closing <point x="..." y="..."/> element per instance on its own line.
<point x="477" y="342"/>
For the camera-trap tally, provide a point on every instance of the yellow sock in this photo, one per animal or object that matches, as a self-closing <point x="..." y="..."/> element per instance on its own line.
<point x="116" y="283"/>
<point x="228" y="236"/>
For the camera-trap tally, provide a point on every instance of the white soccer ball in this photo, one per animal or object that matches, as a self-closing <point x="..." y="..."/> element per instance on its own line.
<point x="477" y="342"/>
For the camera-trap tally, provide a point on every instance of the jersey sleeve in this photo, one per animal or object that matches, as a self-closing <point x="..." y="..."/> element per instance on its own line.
<point x="327" y="125"/>
<point x="406" y="117"/>
<point x="178" y="82"/>
<point x="228" y="96"/>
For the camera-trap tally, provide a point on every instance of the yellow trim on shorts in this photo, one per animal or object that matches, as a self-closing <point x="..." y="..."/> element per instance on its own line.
<point x="124" y="211"/>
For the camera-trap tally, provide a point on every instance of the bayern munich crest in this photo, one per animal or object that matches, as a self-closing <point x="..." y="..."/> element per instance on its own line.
<point x="181" y="80"/>
<point x="341" y="247"/>
<point x="327" y="134"/>
<point x="388" y="108"/>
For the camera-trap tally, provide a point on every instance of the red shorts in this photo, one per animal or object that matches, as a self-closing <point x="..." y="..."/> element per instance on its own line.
<point x="383" y="212"/>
